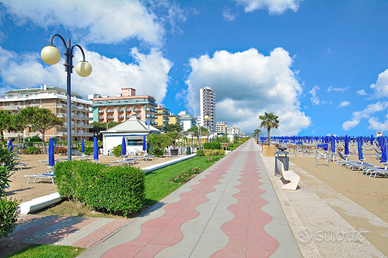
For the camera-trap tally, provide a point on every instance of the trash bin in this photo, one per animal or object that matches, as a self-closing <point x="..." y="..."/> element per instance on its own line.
<point x="188" y="151"/>
<point x="282" y="156"/>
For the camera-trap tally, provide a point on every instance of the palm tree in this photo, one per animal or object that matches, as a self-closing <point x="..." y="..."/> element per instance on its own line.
<point x="269" y="121"/>
<point x="256" y="133"/>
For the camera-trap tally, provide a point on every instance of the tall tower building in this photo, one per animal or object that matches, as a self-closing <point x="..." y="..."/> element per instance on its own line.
<point x="208" y="107"/>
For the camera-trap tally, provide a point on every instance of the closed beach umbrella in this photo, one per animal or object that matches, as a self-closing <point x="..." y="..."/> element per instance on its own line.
<point x="77" y="140"/>
<point x="10" y="147"/>
<point x="383" y="150"/>
<point x="95" y="148"/>
<point x="83" y="146"/>
<point x="55" y="145"/>
<point x="51" y="153"/>
<point x="144" y="143"/>
<point x="371" y="139"/>
<point x="346" y="145"/>
<point x="123" y="147"/>
<point x="360" y="155"/>
<point x="332" y="144"/>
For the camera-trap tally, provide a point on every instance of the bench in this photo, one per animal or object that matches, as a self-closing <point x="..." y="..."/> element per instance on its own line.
<point x="290" y="178"/>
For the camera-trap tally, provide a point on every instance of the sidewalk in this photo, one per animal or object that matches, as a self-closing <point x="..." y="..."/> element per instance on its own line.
<point x="229" y="210"/>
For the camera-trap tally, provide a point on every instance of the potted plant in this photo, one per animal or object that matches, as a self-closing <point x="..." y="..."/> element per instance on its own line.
<point x="269" y="120"/>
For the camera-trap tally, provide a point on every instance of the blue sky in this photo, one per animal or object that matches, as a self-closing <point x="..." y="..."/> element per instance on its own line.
<point x="320" y="65"/>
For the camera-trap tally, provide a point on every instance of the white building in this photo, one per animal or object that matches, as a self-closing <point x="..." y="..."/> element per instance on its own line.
<point x="186" y="120"/>
<point x="208" y="107"/>
<point x="133" y="130"/>
<point x="54" y="99"/>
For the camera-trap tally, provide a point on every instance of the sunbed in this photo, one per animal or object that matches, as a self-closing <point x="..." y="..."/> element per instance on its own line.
<point x="48" y="175"/>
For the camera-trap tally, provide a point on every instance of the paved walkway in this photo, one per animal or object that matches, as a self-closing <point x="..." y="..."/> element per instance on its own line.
<point x="229" y="210"/>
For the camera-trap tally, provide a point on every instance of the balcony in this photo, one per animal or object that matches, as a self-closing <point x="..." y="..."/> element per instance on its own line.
<point x="100" y="111"/>
<point x="128" y="110"/>
<point x="11" y="107"/>
<point x="109" y="117"/>
<point x="121" y="117"/>
<point x="61" y="115"/>
<point x="109" y="110"/>
<point x="120" y="110"/>
<point x="137" y="109"/>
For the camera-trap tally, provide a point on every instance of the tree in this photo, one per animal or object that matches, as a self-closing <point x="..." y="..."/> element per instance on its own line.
<point x="194" y="129"/>
<point x="5" y="118"/>
<point x="158" y="142"/>
<point x="39" y="119"/>
<point x="269" y="120"/>
<point x="256" y="133"/>
<point x="173" y="132"/>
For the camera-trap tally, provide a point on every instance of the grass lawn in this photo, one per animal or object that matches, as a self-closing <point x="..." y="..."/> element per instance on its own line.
<point x="48" y="251"/>
<point x="158" y="183"/>
<point x="158" y="186"/>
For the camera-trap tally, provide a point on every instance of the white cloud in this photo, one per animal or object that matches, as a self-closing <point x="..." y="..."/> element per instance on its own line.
<point x="336" y="89"/>
<point x="314" y="98"/>
<point x="361" y="93"/>
<point x="376" y="125"/>
<point x="149" y="73"/>
<point x="228" y="15"/>
<point x="381" y="86"/>
<point x="364" y="114"/>
<point x="274" y="6"/>
<point x="344" y="103"/>
<point x="247" y="84"/>
<point x="91" y="21"/>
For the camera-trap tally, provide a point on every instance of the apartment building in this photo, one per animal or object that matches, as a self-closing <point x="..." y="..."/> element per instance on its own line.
<point x="208" y="107"/>
<point x="186" y="120"/>
<point x="162" y="117"/>
<point x="123" y="106"/>
<point x="221" y="128"/>
<point x="54" y="99"/>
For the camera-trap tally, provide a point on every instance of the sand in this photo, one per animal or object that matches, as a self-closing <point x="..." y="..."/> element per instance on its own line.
<point x="20" y="190"/>
<point x="368" y="192"/>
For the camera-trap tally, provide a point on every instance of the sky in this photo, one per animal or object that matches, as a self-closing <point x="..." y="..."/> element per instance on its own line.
<point x="321" y="66"/>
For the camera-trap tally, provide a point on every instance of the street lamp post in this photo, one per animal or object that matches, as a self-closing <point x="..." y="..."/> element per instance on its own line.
<point x="51" y="55"/>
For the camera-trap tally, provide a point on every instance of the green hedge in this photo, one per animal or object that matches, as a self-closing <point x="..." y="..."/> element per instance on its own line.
<point x="8" y="216"/>
<point x="212" y="146"/>
<point x="114" y="189"/>
<point x="200" y="152"/>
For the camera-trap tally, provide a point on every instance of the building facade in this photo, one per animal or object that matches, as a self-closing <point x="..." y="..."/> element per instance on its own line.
<point x="162" y="117"/>
<point x="123" y="106"/>
<point x="186" y="120"/>
<point x="54" y="99"/>
<point x="208" y="107"/>
<point x="221" y="128"/>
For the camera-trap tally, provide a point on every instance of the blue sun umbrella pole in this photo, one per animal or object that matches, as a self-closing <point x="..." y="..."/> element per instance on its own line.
<point x="95" y="149"/>
<point x="332" y="143"/>
<point x="10" y="147"/>
<point x="144" y="143"/>
<point x="123" y="148"/>
<point x="346" y="148"/>
<point x="83" y="146"/>
<point x="360" y="154"/>
<point x="51" y="159"/>
<point x="384" y="152"/>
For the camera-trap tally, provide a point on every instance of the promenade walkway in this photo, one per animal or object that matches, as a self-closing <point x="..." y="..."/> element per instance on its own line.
<point x="229" y="210"/>
<point x="236" y="208"/>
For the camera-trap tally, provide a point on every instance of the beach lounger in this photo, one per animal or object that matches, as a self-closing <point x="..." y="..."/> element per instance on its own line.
<point x="48" y="176"/>
<point x="21" y="165"/>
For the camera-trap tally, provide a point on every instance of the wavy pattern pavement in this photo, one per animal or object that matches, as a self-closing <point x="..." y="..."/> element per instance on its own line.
<point x="160" y="233"/>
<point x="245" y="231"/>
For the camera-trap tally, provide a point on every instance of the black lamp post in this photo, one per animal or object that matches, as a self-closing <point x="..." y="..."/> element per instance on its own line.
<point x="51" y="55"/>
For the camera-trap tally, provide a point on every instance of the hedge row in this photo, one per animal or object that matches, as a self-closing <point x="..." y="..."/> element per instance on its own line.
<point x="114" y="189"/>
<point x="212" y="146"/>
<point x="210" y="152"/>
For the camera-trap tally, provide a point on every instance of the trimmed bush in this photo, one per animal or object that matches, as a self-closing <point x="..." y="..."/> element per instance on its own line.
<point x="59" y="150"/>
<point x="200" y="152"/>
<point x="214" y="152"/>
<point x="212" y="145"/>
<point x="155" y="150"/>
<point x="222" y="152"/>
<point x="207" y="153"/>
<point x="8" y="216"/>
<point x="117" y="151"/>
<point x="114" y="189"/>
<point x="32" y="150"/>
